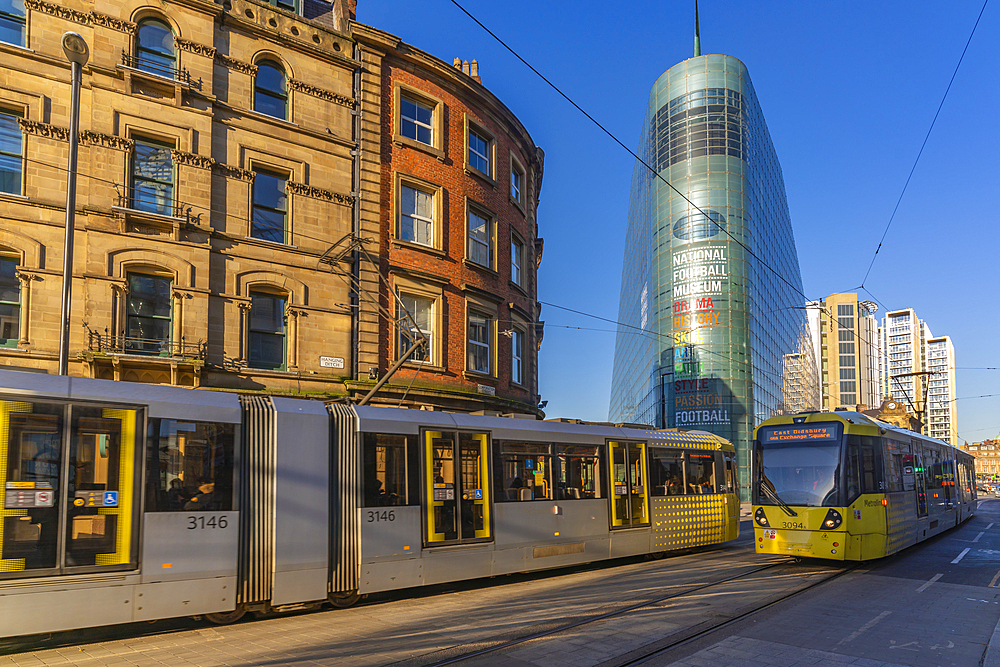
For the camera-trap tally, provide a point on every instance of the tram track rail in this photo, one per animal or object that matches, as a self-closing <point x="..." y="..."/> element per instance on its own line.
<point x="674" y="642"/>
<point x="482" y="648"/>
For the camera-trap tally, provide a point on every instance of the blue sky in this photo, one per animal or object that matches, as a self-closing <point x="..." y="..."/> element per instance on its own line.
<point x="848" y="89"/>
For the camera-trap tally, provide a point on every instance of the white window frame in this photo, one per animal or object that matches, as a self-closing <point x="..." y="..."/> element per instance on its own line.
<point x="428" y="222"/>
<point x="416" y="122"/>
<point x="517" y="355"/>
<point x="516" y="260"/>
<point x="517" y="190"/>
<point x="489" y="325"/>
<point x="403" y="326"/>
<point x="421" y="98"/>
<point x="484" y="157"/>
<point x="474" y="239"/>
<point x="473" y="127"/>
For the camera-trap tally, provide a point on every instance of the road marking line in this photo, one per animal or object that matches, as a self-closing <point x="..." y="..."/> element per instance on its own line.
<point x="993" y="584"/>
<point x="978" y="536"/>
<point x="989" y="526"/>
<point x="928" y="584"/>
<point x="962" y="555"/>
<point x="864" y="628"/>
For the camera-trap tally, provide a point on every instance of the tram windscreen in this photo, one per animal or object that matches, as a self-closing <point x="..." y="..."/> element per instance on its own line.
<point x="800" y="464"/>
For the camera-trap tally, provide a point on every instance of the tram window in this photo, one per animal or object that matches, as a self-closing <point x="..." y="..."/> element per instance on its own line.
<point x="699" y="467"/>
<point x="666" y="472"/>
<point x="34" y="447"/>
<point x="577" y="472"/>
<point x="390" y="471"/>
<point x="868" y="473"/>
<point x="732" y="484"/>
<point x="189" y="466"/>
<point x="31" y="433"/>
<point x="524" y="472"/>
<point x="853" y="471"/>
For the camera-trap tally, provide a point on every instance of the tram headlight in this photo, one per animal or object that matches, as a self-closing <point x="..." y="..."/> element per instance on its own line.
<point x="832" y="520"/>
<point x="760" y="518"/>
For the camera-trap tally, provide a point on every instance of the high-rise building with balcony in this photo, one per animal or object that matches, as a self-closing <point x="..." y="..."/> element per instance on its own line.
<point x="941" y="420"/>
<point x="903" y="336"/>
<point x="711" y="307"/>
<point x="919" y="371"/>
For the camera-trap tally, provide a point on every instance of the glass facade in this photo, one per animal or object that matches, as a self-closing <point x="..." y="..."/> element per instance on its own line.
<point x="708" y="331"/>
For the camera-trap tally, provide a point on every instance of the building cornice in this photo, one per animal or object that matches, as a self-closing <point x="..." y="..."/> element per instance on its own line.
<point x="452" y="79"/>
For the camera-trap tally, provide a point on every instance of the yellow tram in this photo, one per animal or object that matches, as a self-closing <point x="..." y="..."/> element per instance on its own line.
<point x="844" y="486"/>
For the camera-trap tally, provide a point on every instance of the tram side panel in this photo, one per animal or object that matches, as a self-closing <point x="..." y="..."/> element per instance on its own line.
<point x="105" y="523"/>
<point x="302" y="493"/>
<point x="190" y="537"/>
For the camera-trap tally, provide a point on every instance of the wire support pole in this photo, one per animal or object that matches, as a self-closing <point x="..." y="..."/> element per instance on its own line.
<point x="67" y="280"/>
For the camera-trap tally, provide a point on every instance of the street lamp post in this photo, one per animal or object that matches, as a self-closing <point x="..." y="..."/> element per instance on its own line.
<point x="77" y="52"/>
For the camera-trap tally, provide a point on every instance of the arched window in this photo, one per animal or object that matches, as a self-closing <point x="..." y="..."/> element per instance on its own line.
<point x="270" y="90"/>
<point x="267" y="333"/>
<point x="155" y="48"/>
<point x="148" y="314"/>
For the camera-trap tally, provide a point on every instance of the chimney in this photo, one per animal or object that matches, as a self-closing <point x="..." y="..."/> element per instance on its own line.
<point x="344" y="11"/>
<point x="470" y="69"/>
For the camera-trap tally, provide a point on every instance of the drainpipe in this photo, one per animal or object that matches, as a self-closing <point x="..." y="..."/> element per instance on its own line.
<point x="356" y="220"/>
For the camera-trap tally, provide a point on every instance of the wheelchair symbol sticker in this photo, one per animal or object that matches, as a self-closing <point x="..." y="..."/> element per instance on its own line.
<point x="111" y="499"/>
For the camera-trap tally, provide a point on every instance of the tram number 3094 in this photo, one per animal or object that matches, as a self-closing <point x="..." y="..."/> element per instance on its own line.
<point x="207" y="523"/>
<point x="384" y="515"/>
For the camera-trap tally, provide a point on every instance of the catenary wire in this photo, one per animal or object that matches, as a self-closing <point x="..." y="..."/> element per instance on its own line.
<point x="647" y="166"/>
<point x="924" y="144"/>
<point x="629" y="150"/>
<point x="373" y="299"/>
<point x="385" y="313"/>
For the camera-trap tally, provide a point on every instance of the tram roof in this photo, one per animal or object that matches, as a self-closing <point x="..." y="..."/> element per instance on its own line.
<point x="167" y="402"/>
<point x="375" y="419"/>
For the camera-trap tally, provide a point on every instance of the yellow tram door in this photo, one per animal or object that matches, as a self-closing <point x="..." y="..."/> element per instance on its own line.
<point x="630" y="506"/>
<point x="102" y="458"/>
<point x="69" y="493"/>
<point x="456" y="478"/>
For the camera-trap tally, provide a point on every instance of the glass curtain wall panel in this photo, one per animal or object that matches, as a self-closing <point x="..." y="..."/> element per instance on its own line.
<point x="713" y="332"/>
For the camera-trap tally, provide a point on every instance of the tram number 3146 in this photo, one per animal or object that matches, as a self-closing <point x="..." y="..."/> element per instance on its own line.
<point x="207" y="523"/>
<point x="384" y="515"/>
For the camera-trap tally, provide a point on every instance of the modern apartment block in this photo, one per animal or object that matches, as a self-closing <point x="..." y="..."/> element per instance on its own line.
<point x="708" y="330"/>
<point x="903" y="336"/>
<point x="847" y="350"/>
<point x="919" y="372"/>
<point x="941" y="419"/>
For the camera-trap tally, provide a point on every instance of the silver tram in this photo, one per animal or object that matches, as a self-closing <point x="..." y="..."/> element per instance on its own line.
<point x="127" y="502"/>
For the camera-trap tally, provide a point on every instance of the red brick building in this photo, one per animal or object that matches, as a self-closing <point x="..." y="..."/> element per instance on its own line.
<point x="455" y="189"/>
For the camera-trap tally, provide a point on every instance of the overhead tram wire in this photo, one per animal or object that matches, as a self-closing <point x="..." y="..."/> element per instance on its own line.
<point x="364" y="294"/>
<point x="629" y="150"/>
<point x="695" y="206"/>
<point x="643" y="162"/>
<point x="924" y="144"/>
<point x="646" y="332"/>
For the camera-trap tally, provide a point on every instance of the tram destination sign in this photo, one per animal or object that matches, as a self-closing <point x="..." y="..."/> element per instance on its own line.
<point x="799" y="433"/>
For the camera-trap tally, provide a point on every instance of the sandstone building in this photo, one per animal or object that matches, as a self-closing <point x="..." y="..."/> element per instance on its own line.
<point x="238" y="220"/>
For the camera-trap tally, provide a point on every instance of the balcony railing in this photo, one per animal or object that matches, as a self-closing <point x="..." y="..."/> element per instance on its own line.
<point x="123" y="344"/>
<point x="145" y="204"/>
<point x="178" y="74"/>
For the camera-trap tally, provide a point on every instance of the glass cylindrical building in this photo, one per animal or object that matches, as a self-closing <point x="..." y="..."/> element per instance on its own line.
<point x="711" y="312"/>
